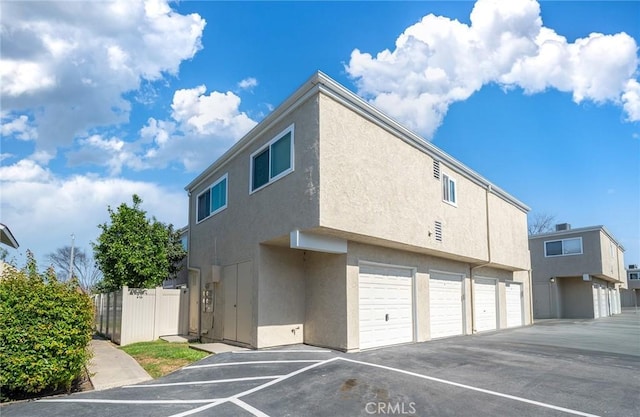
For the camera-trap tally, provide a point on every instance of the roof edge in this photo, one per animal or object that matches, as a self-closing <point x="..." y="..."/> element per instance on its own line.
<point x="321" y="81"/>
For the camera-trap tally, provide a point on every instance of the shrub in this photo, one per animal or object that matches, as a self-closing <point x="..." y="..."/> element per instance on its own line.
<point x="45" y="327"/>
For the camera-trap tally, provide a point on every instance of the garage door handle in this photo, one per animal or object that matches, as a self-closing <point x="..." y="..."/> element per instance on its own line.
<point x="386" y="317"/>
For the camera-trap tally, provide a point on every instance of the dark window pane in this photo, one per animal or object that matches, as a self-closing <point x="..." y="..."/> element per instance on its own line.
<point x="203" y="205"/>
<point x="554" y="248"/>
<point x="219" y="195"/>
<point x="445" y="188"/>
<point x="281" y="155"/>
<point x="452" y="191"/>
<point x="260" y="169"/>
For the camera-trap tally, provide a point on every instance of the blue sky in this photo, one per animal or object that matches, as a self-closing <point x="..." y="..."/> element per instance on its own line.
<point x="103" y="100"/>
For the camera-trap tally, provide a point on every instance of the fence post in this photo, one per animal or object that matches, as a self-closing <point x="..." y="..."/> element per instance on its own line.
<point x="125" y="322"/>
<point x="108" y="331"/>
<point x="156" y="312"/>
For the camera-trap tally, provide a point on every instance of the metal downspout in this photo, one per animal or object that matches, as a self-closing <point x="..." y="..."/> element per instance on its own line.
<point x="472" y="276"/>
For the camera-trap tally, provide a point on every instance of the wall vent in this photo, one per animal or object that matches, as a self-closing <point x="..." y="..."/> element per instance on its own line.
<point x="438" y="230"/>
<point x="436" y="169"/>
<point x="563" y="226"/>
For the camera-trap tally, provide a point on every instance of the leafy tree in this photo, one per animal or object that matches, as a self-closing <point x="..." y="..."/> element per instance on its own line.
<point x="541" y="223"/>
<point x="176" y="252"/>
<point x="45" y="327"/>
<point x="84" y="267"/>
<point x="134" y="250"/>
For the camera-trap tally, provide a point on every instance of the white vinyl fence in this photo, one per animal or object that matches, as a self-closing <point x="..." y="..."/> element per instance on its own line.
<point x="132" y="315"/>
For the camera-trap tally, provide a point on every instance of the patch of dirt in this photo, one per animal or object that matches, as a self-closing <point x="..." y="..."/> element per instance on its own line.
<point x="160" y="367"/>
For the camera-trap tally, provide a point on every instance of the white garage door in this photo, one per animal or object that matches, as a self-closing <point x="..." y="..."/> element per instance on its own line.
<point x="446" y="305"/>
<point x="604" y="310"/>
<point x="386" y="306"/>
<point x="484" y="309"/>
<point x="596" y="302"/>
<point x="514" y="304"/>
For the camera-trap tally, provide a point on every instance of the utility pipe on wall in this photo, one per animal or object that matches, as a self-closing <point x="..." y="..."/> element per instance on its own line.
<point x="471" y="274"/>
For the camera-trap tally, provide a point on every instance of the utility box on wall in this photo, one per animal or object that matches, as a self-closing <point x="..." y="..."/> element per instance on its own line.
<point x="216" y="271"/>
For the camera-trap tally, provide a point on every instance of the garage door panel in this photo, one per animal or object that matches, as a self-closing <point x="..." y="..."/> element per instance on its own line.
<point x="484" y="300"/>
<point x="445" y="305"/>
<point x="385" y="306"/>
<point x="513" y="300"/>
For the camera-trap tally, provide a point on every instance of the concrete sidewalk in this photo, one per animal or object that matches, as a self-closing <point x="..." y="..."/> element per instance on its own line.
<point x="111" y="367"/>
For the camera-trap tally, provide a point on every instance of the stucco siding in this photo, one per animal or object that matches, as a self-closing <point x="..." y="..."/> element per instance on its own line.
<point x="374" y="184"/>
<point x="268" y="213"/>
<point x="508" y="234"/>
<point x="325" y="300"/>
<point x="281" y="297"/>
<point x="234" y="234"/>
<point x="566" y="266"/>
<point x="576" y="296"/>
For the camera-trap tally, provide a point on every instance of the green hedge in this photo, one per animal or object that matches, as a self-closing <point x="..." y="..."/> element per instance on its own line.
<point x="45" y="327"/>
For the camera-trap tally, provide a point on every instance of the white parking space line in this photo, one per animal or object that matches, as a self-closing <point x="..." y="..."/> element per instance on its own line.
<point x="212" y="365"/>
<point x="282" y="351"/>
<point x="213" y="381"/>
<point x="249" y="408"/>
<point x="141" y="402"/>
<point x="469" y="387"/>
<point x="252" y="390"/>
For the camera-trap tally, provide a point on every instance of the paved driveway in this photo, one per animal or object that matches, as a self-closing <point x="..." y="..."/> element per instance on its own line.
<point x="555" y="368"/>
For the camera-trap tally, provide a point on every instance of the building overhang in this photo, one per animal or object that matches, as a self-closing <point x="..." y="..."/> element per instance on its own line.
<point x="317" y="243"/>
<point x="7" y="238"/>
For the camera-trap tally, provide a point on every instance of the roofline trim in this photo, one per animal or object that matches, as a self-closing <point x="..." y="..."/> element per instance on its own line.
<point x="325" y="84"/>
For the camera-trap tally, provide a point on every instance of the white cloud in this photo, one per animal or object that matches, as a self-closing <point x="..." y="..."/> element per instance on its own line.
<point x="631" y="100"/>
<point x="248" y="83"/>
<point x="113" y="152"/>
<point x="439" y="61"/>
<point x="73" y="63"/>
<point x="43" y="210"/>
<point x="201" y="128"/>
<point x="19" y="127"/>
<point x="211" y="122"/>
<point x="24" y="170"/>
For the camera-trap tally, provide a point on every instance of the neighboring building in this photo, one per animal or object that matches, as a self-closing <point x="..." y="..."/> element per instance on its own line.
<point x="182" y="278"/>
<point x="630" y="297"/>
<point x="577" y="273"/>
<point x="332" y="225"/>
<point x="6" y="237"/>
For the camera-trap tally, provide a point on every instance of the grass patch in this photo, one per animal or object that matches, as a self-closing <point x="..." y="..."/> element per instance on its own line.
<point x="160" y="358"/>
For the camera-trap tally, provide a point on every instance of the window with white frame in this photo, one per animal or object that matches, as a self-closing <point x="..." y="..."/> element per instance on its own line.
<point x="213" y="200"/>
<point x="449" y="191"/>
<point x="273" y="161"/>
<point x="634" y="275"/>
<point x="562" y="247"/>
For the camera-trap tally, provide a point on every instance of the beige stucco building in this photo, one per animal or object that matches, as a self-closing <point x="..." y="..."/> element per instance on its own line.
<point x="577" y="273"/>
<point x="333" y="225"/>
<point x="630" y="297"/>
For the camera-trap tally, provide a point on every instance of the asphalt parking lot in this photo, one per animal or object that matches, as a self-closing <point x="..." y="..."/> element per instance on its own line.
<point x="554" y="368"/>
